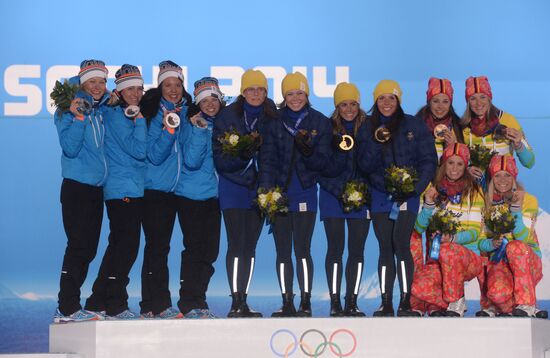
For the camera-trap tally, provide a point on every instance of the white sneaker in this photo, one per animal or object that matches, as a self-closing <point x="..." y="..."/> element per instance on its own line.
<point x="524" y="311"/>
<point x="456" y="308"/>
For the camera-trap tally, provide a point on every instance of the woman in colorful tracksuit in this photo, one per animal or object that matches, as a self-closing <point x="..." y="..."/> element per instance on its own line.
<point x="295" y="148"/>
<point x="164" y="165"/>
<point x="197" y="201"/>
<point x="84" y="170"/>
<point x="347" y="118"/>
<point x="486" y="125"/>
<point x="444" y="124"/>
<point x="239" y="183"/>
<point x="440" y="283"/>
<point x="410" y="145"/>
<point x="511" y="282"/>
<point x="125" y="148"/>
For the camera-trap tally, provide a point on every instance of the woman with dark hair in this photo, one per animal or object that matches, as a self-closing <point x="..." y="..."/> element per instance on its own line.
<point x="394" y="139"/>
<point x="347" y="119"/>
<point x="296" y="147"/>
<point x="238" y="184"/>
<point x="511" y="282"/>
<point x="162" y="107"/>
<point x="84" y="170"/>
<point x="197" y="201"/>
<point x="486" y="125"/>
<point x="439" y="114"/>
<point x="440" y="283"/>
<point x="125" y="148"/>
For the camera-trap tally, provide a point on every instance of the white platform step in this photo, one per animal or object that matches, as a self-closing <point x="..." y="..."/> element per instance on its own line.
<point x="291" y="337"/>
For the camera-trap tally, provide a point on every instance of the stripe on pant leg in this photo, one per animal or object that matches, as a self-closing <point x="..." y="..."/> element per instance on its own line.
<point x="334" y="274"/>
<point x="306" y="277"/>
<point x="383" y="284"/>
<point x="404" y="275"/>
<point x="250" y="274"/>
<point x="235" y="272"/>
<point x="282" y="277"/>
<point x="358" y="278"/>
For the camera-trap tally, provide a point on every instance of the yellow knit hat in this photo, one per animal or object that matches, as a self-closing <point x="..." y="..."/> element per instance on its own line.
<point x="387" y="87"/>
<point x="346" y="92"/>
<point x="295" y="81"/>
<point x="253" y="78"/>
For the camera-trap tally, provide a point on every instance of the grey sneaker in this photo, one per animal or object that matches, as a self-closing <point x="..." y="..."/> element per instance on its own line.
<point x="456" y="308"/>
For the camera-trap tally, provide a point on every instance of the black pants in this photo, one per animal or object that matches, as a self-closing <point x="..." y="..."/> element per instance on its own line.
<point x="82" y="210"/>
<point x="109" y="290"/>
<point x="394" y="242"/>
<point x="200" y="222"/>
<point x="358" y="230"/>
<point x="294" y="228"/>
<point x="243" y="228"/>
<point x="159" y="216"/>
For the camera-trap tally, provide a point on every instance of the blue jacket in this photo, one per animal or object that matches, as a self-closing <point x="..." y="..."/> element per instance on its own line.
<point x="198" y="179"/>
<point x="412" y="145"/>
<point x="82" y="142"/>
<point x="164" y="160"/>
<point x="278" y="156"/>
<point x="230" y="167"/>
<point x="125" y="148"/>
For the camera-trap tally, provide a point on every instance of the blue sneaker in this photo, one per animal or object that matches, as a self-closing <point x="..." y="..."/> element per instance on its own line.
<point x="170" y="313"/>
<point x="147" y="315"/>
<point x="198" y="313"/>
<point x="124" y="315"/>
<point x="78" y="316"/>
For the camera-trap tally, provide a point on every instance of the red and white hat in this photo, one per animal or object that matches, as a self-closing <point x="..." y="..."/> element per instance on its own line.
<point x="128" y="76"/>
<point x="92" y="68"/>
<point x="169" y="69"/>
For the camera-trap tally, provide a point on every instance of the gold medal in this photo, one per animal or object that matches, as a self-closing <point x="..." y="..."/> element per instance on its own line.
<point x="382" y="134"/>
<point x="440" y="130"/>
<point x="347" y="142"/>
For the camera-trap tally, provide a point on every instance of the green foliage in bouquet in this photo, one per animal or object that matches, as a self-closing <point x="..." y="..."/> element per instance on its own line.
<point x="480" y="156"/>
<point x="272" y="201"/>
<point x="400" y="180"/>
<point x="355" y="196"/>
<point x="233" y="142"/>
<point x="444" y="222"/>
<point x="499" y="221"/>
<point x="63" y="94"/>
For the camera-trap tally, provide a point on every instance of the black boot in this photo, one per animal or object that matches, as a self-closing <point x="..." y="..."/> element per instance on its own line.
<point x="305" y="305"/>
<point x="287" y="310"/>
<point x="386" y="308"/>
<point x="235" y="311"/>
<point x="246" y="311"/>
<point x="351" y="309"/>
<point x="336" y="306"/>
<point x="404" y="309"/>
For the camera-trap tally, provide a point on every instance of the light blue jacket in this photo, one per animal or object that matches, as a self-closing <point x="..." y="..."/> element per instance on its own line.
<point x="82" y="143"/>
<point x="198" y="179"/>
<point x="164" y="160"/>
<point x="125" y="148"/>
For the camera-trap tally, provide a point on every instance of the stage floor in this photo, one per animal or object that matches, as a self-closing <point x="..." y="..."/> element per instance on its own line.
<point x="313" y="337"/>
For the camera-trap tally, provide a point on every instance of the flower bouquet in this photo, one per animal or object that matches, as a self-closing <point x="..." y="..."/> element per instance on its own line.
<point x="233" y="143"/>
<point x="400" y="181"/>
<point x="499" y="221"/>
<point x="272" y="201"/>
<point x="63" y="94"/>
<point x="442" y="222"/>
<point x="355" y="196"/>
<point x="480" y="156"/>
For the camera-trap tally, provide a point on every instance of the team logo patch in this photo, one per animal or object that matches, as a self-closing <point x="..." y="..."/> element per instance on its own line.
<point x="410" y="135"/>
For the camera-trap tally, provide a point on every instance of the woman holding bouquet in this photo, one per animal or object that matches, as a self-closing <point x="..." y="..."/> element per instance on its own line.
<point x="164" y="165"/>
<point x="440" y="283"/>
<point x="397" y="152"/>
<point x="84" y="170"/>
<point x="197" y="201"/>
<point x="125" y="148"/>
<point x="486" y="125"/>
<point x="511" y="281"/>
<point x="295" y="148"/>
<point x="439" y="114"/>
<point x="342" y="200"/>
<point x="238" y="183"/>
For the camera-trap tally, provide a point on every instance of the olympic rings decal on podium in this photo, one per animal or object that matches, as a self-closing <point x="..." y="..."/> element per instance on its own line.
<point x="308" y="349"/>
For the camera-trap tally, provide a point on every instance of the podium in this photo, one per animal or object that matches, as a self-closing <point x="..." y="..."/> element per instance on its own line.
<point x="305" y="337"/>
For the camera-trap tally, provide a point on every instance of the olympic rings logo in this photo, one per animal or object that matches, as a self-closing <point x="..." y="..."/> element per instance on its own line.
<point x="307" y="348"/>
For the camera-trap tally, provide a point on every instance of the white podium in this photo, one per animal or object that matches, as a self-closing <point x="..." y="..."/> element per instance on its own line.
<point x="303" y="337"/>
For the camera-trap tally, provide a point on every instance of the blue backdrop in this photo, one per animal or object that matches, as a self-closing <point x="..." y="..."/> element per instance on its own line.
<point x="330" y="41"/>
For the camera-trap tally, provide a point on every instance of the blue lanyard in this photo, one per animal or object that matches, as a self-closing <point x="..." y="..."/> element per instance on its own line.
<point x="294" y="131"/>
<point x="250" y="127"/>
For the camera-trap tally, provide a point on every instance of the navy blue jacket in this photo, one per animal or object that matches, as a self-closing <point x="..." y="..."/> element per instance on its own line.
<point x="228" y="166"/>
<point x="278" y="155"/>
<point x="412" y="145"/>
